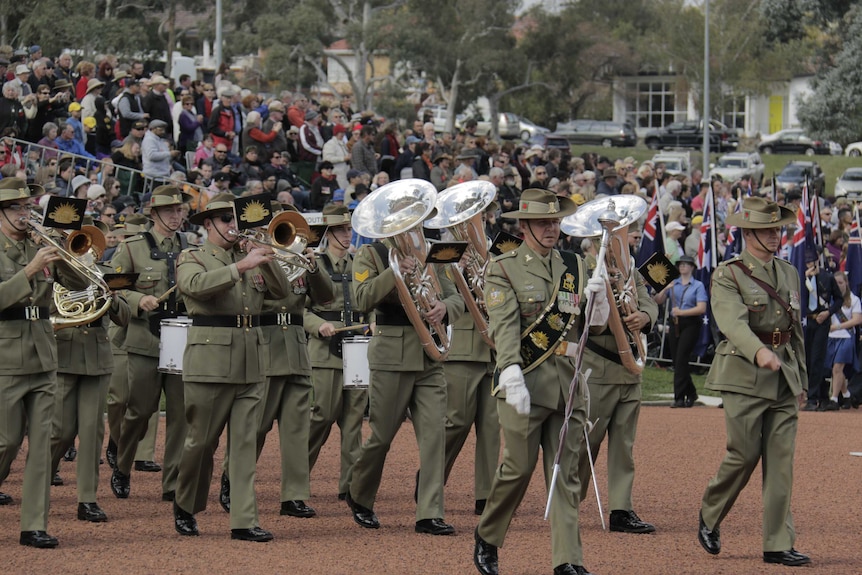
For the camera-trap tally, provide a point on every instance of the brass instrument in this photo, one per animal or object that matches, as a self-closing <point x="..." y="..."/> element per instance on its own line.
<point x="287" y="234"/>
<point x="612" y="216"/>
<point x="460" y="209"/>
<point x="81" y="249"/>
<point x="394" y="213"/>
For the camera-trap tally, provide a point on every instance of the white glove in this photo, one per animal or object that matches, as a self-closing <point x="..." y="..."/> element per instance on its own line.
<point x="512" y="382"/>
<point x="597" y="288"/>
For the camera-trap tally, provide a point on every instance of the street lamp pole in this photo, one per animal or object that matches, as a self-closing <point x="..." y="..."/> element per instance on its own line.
<point x="218" y="39"/>
<point x="705" y="90"/>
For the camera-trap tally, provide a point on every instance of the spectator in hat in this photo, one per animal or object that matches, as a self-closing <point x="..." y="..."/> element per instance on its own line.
<point x="80" y="186"/>
<point x="323" y="187"/>
<point x="22" y="77"/>
<point x="608" y="185"/>
<point x="441" y="173"/>
<point x="672" y="247"/>
<point x="224" y="123"/>
<point x="310" y="146"/>
<point x="90" y="133"/>
<point x="335" y="151"/>
<point x="158" y="104"/>
<point x="88" y="102"/>
<point x="75" y="118"/>
<point x="220" y="184"/>
<point x="130" y="108"/>
<point x="156" y="153"/>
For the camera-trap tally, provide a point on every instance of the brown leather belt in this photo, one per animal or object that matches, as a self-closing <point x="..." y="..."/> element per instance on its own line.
<point x="774" y="338"/>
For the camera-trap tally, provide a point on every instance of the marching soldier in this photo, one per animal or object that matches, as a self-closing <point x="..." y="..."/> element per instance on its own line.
<point x="28" y="369"/>
<point x="84" y="370"/>
<point x="152" y="254"/>
<point x="535" y="296"/>
<point x="760" y="371"/>
<point x="288" y="388"/>
<point x="223" y="365"/>
<point x="614" y="407"/>
<point x="333" y="403"/>
<point x="402" y="376"/>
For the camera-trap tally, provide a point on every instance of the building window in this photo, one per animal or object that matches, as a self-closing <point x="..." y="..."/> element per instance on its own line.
<point x="734" y="111"/>
<point x="652" y="104"/>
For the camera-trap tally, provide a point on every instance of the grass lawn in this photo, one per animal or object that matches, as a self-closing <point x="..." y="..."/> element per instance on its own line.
<point x="833" y="166"/>
<point x="658" y="383"/>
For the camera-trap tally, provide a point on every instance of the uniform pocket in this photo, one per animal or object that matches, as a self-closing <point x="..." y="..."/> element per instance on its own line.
<point x="385" y="347"/>
<point x="531" y="303"/>
<point x="208" y="352"/>
<point x="754" y="300"/>
<point x="148" y="281"/>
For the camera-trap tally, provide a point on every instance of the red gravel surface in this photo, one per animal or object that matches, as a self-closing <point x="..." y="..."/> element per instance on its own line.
<point x="677" y="452"/>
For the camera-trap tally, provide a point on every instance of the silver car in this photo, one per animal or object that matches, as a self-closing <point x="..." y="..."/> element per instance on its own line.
<point x="731" y="167"/>
<point x="849" y="184"/>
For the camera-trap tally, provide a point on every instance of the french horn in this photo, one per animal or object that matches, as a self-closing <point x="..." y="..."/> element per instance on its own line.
<point x="394" y="214"/>
<point x="80" y="249"/>
<point x="459" y="210"/>
<point x="610" y="218"/>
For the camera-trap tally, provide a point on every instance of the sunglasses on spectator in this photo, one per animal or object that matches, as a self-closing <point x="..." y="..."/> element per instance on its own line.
<point x="221" y="151"/>
<point x="226" y="218"/>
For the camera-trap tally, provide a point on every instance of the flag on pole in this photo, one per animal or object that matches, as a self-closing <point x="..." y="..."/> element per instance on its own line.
<point x="854" y="255"/>
<point x="651" y="240"/>
<point x="707" y="260"/>
<point x="803" y="240"/>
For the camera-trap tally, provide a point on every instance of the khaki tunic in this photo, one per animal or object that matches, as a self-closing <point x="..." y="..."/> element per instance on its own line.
<point x="331" y="402"/>
<point x="224" y="373"/>
<point x="615" y="401"/>
<point x="28" y="374"/>
<point x="402" y="376"/>
<point x="760" y="406"/>
<point x="518" y="285"/>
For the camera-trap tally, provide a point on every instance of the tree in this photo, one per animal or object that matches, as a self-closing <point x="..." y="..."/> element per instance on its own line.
<point x="455" y="44"/>
<point x="834" y="109"/>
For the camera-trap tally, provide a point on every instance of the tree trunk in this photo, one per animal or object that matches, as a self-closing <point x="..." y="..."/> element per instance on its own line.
<point x="453" y="97"/>
<point x="493" y="106"/>
<point x="172" y="35"/>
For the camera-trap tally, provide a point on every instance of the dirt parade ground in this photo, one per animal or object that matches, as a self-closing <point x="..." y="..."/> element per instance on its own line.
<point x="677" y="451"/>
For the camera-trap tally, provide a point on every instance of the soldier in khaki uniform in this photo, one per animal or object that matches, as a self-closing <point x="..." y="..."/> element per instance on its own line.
<point x="153" y="255"/>
<point x="118" y="386"/>
<point x="224" y="365"/>
<point x="332" y="403"/>
<point x="85" y="363"/>
<point x="537" y="291"/>
<point x="288" y="388"/>
<point x="402" y="376"/>
<point x="614" y="407"/>
<point x="760" y="371"/>
<point x="28" y="355"/>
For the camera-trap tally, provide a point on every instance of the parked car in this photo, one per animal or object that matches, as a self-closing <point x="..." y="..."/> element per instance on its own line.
<point x="733" y="166"/>
<point x="689" y="134"/>
<point x="528" y="129"/>
<point x="793" y="141"/>
<point x="546" y="141"/>
<point x="849" y="184"/>
<point x="675" y="163"/>
<point x="436" y="114"/>
<point x="793" y="175"/>
<point x="598" y="132"/>
<point x="509" y="125"/>
<point x="854" y="149"/>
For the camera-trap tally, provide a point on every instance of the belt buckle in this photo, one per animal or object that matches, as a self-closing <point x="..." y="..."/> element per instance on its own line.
<point x="776" y="338"/>
<point x="31" y="313"/>
<point x="283" y="318"/>
<point x="243" y="321"/>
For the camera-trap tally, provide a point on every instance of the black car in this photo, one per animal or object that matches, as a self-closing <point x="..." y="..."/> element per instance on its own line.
<point x="548" y="141"/>
<point x="793" y="141"/>
<point x="793" y="175"/>
<point x="689" y="134"/>
<point x="598" y="132"/>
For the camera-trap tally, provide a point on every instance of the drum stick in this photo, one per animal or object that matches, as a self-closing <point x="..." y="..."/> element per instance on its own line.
<point x="351" y="327"/>
<point x="167" y="294"/>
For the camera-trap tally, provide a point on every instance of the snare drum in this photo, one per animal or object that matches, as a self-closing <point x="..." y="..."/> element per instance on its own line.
<point x="172" y="344"/>
<point x="357" y="375"/>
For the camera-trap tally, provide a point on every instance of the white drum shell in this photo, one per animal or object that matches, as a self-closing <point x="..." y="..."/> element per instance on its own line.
<point x="172" y="344"/>
<point x="354" y="351"/>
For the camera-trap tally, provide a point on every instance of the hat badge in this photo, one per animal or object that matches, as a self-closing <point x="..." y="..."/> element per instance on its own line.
<point x="774" y="216"/>
<point x="552" y="208"/>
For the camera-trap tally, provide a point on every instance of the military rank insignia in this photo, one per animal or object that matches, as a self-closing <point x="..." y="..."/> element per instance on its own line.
<point x="494" y="298"/>
<point x="658" y="271"/>
<point x="64" y="213"/>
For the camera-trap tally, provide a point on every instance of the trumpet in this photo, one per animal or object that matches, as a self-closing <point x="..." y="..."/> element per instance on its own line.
<point x="287" y="235"/>
<point x="80" y="249"/>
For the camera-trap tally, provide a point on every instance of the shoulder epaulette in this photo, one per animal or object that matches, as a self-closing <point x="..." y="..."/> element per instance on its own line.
<point x="504" y="255"/>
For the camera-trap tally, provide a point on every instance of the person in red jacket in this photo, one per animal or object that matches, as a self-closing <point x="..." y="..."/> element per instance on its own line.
<point x="225" y="123"/>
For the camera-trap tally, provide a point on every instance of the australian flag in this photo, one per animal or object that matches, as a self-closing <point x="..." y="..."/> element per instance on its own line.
<point x="803" y="240"/>
<point x="854" y="255"/>
<point x="707" y="254"/>
<point x="651" y="241"/>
